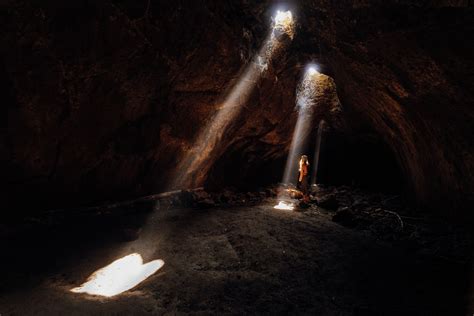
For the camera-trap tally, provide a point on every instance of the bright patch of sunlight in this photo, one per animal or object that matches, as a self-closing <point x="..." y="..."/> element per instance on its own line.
<point x="282" y="205"/>
<point x="119" y="276"/>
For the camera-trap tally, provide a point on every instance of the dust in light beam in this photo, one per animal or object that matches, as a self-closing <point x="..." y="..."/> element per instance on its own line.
<point x="197" y="158"/>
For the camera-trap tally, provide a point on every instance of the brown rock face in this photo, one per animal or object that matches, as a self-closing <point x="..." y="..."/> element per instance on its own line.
<point x="410" y="76"/>
<point x="103" y="99"/>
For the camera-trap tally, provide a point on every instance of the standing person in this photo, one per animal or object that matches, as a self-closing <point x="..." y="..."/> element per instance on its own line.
<point x="303" y="177"/>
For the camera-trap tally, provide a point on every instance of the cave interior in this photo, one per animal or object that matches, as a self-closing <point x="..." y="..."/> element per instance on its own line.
<point x="151" y="153"/>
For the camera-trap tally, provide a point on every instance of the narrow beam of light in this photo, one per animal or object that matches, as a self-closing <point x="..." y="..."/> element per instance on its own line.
<point x="198" y="159"/>
<point x="298" y="142"/>
<point x="119" y="276"/>
<point x="304" y="104"/>
<point x="317" y="151"/>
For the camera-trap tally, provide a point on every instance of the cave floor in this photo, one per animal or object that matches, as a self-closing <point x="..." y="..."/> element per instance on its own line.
<point x="238" y="260"/>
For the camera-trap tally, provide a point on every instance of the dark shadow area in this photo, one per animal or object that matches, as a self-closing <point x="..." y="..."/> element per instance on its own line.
<point x="246" y="169"/>
<point x="359" y="160"/>
<point x="36" y="247"/>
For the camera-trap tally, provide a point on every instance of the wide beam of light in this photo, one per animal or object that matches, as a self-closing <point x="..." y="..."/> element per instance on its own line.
<point x="119" y="276"/>
<point x="197" y="160"/>
<point x="195" y="163"/>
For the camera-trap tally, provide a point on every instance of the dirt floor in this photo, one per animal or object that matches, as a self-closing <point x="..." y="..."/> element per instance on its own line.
<point x="234" y="260"/>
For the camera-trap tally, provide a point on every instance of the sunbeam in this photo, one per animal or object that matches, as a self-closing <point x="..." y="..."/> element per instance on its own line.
<point x="305" y="102"/>
<point x="196" y="161"/>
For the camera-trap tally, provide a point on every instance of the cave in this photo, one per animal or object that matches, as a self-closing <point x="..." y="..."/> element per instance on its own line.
<point x="237" y="157"/>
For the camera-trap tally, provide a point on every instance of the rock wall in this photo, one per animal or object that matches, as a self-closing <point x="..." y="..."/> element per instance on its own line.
<point x="103" y="98"/>
<point x="409" y="71"/>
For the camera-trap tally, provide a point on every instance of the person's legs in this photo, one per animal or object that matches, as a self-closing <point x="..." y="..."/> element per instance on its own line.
<point x="304" y="189"/>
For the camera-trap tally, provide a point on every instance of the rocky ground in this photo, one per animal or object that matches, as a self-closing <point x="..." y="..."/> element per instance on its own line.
<point x="346" y="252"/>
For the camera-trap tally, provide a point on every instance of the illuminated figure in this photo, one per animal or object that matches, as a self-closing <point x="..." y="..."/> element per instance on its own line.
<point x="303" y="177"/>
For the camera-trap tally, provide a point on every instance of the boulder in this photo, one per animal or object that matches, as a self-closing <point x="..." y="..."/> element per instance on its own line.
<point x="328" y="202"/>
<point x="345" y="216"/>
<point x="206" y="203"/>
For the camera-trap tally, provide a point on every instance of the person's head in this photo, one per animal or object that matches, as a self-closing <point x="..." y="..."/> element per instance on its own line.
<point x="304" y="159"/>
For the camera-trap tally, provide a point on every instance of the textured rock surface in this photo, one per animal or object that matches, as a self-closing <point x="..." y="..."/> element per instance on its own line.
<point x="103" y="98"/>
<point x="243" y="260"/>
